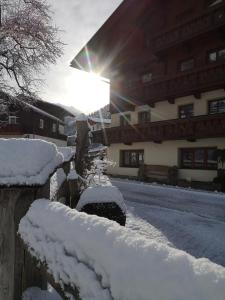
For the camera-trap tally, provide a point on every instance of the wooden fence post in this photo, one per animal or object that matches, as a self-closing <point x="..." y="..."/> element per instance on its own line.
<point x="17" y="271"/>
<point x="82" y="145"/>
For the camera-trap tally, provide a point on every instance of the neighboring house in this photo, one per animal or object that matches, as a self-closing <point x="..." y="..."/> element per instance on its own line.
<point x="166" y="65"/>
<point x="22" y="119"/>
<point x="98" y="123"/>
<point x="100" y="119"/>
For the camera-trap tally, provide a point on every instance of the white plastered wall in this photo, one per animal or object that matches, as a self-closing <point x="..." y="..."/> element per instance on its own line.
<point x="163" y="110"/>
<point x="166" y="154"/>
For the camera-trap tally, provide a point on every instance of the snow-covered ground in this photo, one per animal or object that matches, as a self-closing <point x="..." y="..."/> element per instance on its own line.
<point x="193" y="221"/>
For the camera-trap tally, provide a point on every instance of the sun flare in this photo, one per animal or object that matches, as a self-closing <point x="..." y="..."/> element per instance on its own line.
<point x="87" y="92"/>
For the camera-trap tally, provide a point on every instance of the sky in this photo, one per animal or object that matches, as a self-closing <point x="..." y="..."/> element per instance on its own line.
<point x="78" y="20"/>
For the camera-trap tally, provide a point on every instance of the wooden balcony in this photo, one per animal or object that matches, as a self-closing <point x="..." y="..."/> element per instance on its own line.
<point x="205" y="23"/>
<point x="11" y="129"/>
<point x="207" y="126"/>
<point x="184" y="84"/>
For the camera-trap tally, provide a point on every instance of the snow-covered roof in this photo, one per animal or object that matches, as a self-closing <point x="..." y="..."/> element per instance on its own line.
<point x="101" y="194"/>
<point x="27" y="161"/>
<point x="97" y="148"/>
<point x="100" y="120"/>
<point x="40" y="111"/>
<point x="81" y="117"/>
<point x="108" y="261"/>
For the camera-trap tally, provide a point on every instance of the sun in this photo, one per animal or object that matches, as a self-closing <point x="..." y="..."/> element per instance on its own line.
<point x="87" y="92"/>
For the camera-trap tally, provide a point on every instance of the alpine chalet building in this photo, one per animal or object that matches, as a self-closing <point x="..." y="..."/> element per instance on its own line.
<point x="166" y="65"/>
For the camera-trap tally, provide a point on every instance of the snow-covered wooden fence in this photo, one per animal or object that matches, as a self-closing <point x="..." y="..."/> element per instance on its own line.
<point x="26" y="168"/>
<point x="107" y="261"/>
<point x="80" y="255"/>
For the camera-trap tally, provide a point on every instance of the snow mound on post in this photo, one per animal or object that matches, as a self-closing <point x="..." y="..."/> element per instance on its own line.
<point x="101" y="194"/>
<point x="27" y="161"/>
<point x="81" y="249"/>
<point x="67" y="152"/>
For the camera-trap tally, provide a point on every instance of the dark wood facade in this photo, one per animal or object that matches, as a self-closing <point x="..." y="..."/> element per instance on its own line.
<point x="27" y="122"/>
<point x="158" y="37"/>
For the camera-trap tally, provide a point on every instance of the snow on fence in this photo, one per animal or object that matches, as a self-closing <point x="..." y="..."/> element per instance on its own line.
<point x="106" y="261"/>
<point x="25" y="170"/>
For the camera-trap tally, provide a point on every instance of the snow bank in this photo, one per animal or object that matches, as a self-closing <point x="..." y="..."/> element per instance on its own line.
<point x="67" y="153"/>
<point x="127" y="264"/>
<point x="101" y="194"/>
<point x="36" y="293"/>
<point x="27" y="161"/>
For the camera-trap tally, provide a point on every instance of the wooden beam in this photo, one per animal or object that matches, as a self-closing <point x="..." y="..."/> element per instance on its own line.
<point x="171" y="101"/>
<point x="152" y="105"/>
<point x="191" y="139"/>
<point x="197" y="95"/>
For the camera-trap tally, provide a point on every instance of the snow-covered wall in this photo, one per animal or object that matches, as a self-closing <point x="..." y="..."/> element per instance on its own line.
<point x="107" y="261"/>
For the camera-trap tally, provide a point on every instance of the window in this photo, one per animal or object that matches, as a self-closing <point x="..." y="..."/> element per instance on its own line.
<point x="131" y="158"/>
<point x="216" y="55"/>
<point x="146" y="77"/>
<point x="12" y="120"/>
<point x="211" y="3"/>
<point x="143" y="116"/>
<point x="125" y="120"/>
<point x="41" y="124"/>
<point x="186" y="111"/>
<point x="54" y="127"/>
<point x="187" y="65"/>
<point x="198" y="158"/>
<point x="61" y="129"/>
<point x="217" y="106"/>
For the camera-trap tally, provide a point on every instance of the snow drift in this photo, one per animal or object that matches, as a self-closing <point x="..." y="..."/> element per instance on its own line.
<point x="27" y="161"/>
<point x="85" y="249"/>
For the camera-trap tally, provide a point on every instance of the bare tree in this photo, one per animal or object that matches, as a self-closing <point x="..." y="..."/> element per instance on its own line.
<point x="28" y="43"/>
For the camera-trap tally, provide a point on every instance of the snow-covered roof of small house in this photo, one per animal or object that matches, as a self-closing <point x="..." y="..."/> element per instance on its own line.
<point x="96" y="148"/>
<point x="99" y="120"/>
<point x="42" y="112"/>
<point x="27" y="162"/>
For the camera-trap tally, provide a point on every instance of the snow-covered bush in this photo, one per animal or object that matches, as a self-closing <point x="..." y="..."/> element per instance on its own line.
<point x="103" y="201"/>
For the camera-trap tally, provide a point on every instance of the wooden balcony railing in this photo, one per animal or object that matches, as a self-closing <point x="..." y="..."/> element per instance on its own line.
<point x="191" y="83"/>
<point x="207" y="126"/>
<point x="207" y="22"/>
<point x="10" y="129"/>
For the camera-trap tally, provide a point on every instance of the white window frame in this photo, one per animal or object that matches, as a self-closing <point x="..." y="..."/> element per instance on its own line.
<point x="54" y="127"/>
<point x="147" y="77"/>
<point x="41" y="124"/>
<point x="14" y="118"/>
<point x="61" y="129"/>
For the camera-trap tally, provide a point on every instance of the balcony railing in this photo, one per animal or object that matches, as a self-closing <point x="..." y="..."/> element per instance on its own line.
<point x="207" y="126"/>
<point x="184" y="84"/>
<point x="200" y="25"/>
<point x="10" y="129"/>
